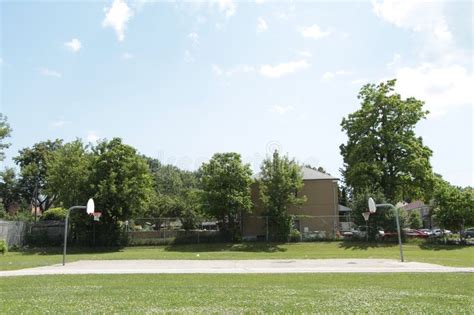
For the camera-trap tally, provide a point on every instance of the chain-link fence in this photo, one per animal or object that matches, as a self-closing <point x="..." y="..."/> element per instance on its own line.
<point x="156" y="231"/>
<point x="159" y="231"/>
<point x="13" y="232"/>
<point x="306" y="228"/>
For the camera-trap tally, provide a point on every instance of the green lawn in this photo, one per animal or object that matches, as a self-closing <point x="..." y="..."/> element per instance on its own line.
<point x="283" y="293"/>
<point x="444" y="255"/>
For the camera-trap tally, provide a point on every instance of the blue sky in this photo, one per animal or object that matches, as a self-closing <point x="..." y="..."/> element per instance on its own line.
<point x="183" y="80"/>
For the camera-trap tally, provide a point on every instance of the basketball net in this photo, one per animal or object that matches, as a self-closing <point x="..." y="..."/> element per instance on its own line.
<point x="366" y="215"/>
<point x="97" y="216"/>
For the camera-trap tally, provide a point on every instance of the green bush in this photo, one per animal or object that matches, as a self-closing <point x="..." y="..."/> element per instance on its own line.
<point x="22" y="215"/>
<point x="3" y="247"/>
<point x="54" y="214"/>
<point x="295" y="235"/>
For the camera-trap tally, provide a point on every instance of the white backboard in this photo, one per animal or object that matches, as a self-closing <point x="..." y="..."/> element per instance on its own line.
<point x="90" y="206"/>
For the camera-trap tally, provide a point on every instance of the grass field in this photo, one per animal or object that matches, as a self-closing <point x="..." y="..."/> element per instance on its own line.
<point x="444" y="255"/>
<point x="301" y="293"/>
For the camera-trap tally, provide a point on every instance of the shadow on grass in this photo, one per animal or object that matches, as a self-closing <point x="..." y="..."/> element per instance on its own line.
<point x="422" y="245"/>
<point x="217" y="247"/>
<point x="70" y="250"/>
<point x="364" y="245"/>
<point x="437" y="247"/>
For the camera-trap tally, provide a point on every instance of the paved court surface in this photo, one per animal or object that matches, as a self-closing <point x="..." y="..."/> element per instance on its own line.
<point x="234" y="266"/>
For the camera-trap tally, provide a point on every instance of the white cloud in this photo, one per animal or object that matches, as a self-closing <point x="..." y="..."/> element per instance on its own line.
<point x="194" y="37"/>
<point x="217" y="70"/>
<point x="232" y="71"/>
<point x="442" y="32"/>
<point x="1" y="61"/>
<point x="117" y="17"/>
<point x="282" y="69"/>
<point x="262" y="26"/>
<point x="395" y="60"/>
<point x="188" y="57"/>
<point x="328" y="76"/>
<point x="281" y="110"/>
<point x="331" y="75"/>
<point x="92" y="137"/>
<point x="59" y="123"/>
<point x="281" y="15"/>
<point x="443" y="78"/>
<point x="314" y="32"/>
<point x="427" y="20"/>
<point x="259" y="1"/>
<point x="417" y="15"/>
<point x="441" y="87"/>
<point x="127" y="56"/>
<point x="73" y="45"/>
<point x="228" y="7"/>
<point x="50" y="73"/>
<point x="240" y="69"/>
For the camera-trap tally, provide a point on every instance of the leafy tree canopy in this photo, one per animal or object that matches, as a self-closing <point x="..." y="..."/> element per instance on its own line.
<point x="10" y="192"/>
<point x="176" y="193"/>
<point x="382" y="151"/>
<point x="225" y="182"/>
<point x="5" y="131"/>
<point x="120" y="181"/>
<point x="453" y="206"/>
<point x="169" y="179"/>
<point x="414" y="220"/>
<point x="279" y="182"/>
<point x="33" y="164"/>
<point x="69" y="171"/>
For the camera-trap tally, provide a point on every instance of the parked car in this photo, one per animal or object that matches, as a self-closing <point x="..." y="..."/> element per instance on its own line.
<point x="440" y="232"/>
<point x="427" y="231"/>
<point x="357" y="232"/>
<point x="415" y="233"/>
<point x="468" y="233"/>
<point x="382" y="235"/>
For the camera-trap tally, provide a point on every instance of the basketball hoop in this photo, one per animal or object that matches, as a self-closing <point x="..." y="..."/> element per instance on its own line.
<point x="366" y="215"/>
<point x="97" y="215"/>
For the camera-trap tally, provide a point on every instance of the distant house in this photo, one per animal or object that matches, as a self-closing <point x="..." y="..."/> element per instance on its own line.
<point x="320" y="213"/>
<point x="422" y="208"/>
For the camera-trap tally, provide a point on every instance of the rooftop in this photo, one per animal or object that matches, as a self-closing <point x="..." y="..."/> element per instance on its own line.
<point x="310" y="174"/>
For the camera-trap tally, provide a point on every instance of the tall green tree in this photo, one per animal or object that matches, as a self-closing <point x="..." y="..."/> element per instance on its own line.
<point x="176" y="194"/>
<point x="414" y="220"/>
<point x="69" y="171"/>
<point x="5" y="131"/>
<point x="120" y="181"/>
<point x="33" y="164"/>
<point x="382" y="151"/>
<point x="10" y="192"/>
<point x="225" y="182"/>
<point x="169" y="179"/>
<point x="453" y="206"/>
<point x="343" y="197"/>
<point x="279" y="182"/>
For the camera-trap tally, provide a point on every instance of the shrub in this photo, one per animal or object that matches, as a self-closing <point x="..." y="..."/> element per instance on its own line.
<point x="54" y="214"/>
<point x="3" y="247"/>
<point x="295" y="235"/>
<point x="24" y="216"/>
